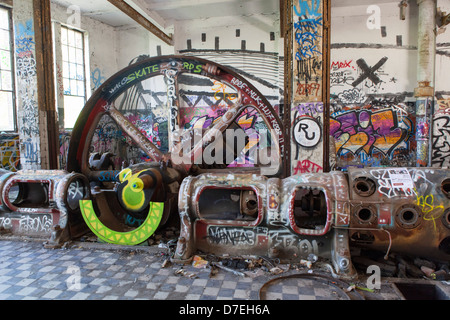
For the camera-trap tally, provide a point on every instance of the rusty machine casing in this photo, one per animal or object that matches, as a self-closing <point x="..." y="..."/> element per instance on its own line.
<point x="394" y="210"/>
<point x="41" y="203"/>
<point x="242" y="214"/>
<point x="403" y="210"/>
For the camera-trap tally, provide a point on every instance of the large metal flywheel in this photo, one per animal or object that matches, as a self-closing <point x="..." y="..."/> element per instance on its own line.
<point x="147" y="128"/>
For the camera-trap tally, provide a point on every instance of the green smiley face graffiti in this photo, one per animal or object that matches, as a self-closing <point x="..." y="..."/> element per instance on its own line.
<point x="135" y="237"/>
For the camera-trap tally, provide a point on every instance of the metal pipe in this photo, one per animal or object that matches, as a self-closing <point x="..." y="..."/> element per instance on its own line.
<point x="424" y="93"/>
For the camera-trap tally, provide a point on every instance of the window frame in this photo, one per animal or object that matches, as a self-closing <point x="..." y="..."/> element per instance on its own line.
<point x="12" y="51"/>
<point x="84" y="65"/>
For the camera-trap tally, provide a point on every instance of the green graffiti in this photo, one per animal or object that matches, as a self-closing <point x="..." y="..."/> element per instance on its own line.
<point x="142" y="73"/>
<point x="133" y="196"/>
<point x="135" y="237"/>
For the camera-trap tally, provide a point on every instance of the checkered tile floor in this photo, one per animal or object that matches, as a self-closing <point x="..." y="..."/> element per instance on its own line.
<point x="28" y="271"/>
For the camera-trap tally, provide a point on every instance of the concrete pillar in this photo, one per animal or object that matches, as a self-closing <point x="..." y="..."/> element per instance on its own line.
<point x="35" y="99"/>
<point x="27" y="91"/>
<point x="424" y="93"/>
<point x="310" y="91"/>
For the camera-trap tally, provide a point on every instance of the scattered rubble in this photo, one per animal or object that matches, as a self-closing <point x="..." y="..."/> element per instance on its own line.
<point x="399" y="266"/>
<point x="184" y="273"/>
<point x="396" y="266"/>
<point x="252" y="267"/>
<point x="199" y="262"/>
<point x="166" y="264"/>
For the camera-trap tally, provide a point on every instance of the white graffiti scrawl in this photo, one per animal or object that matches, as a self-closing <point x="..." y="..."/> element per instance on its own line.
<point x="394" y="182"/>
<point x="38" y="224"/>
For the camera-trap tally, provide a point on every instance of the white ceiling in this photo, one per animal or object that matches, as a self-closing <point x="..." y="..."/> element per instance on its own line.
<point x="163" y="13"/>
<point x="100" y="10"/>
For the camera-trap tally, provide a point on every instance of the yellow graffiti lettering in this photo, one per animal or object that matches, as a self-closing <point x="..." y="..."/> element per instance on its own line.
<point x="431" y="212"/>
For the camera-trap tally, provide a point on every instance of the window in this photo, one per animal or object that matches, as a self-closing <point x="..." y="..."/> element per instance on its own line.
<point x="8" y="111"/>
<point x="74" y="78"/>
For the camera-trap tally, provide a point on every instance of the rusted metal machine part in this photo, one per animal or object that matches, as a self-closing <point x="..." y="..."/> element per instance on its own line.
<point x="398" y="210"/>
<point x="288" y="219"/>
<point x="229" y="210"/>
<point x="102" y="103"/>
<point x="165" y="169"/>
<point x="39" y="203"/>
<point x="123" y="207"/>
<point x="148" y="147"/>
<point x="403" y="210"/>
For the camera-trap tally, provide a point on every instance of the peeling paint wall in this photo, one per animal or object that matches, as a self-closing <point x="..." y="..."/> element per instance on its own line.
<point x="373" y="76"/>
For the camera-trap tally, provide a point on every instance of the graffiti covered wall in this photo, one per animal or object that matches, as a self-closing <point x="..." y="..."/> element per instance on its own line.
<point x="26" y="79"/>
<point x="440" y="156"/>
<point x="373" y="76"/>
<point x="307" y="112"/>
<point x="371" y="124"/>
<point x="9" y="152"/>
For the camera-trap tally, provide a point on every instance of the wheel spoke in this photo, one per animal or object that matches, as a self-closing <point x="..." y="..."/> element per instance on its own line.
<point x="138" y="137"/>
<point x="220" y="126"/>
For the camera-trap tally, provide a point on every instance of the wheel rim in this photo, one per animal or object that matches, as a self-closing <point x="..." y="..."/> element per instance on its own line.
<point x="103" y="99"/>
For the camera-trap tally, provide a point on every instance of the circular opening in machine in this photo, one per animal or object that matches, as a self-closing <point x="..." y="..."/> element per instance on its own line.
<point x="446" y="218"/>
<point x="252" y="204"/>
<point x="365" y="214"/>
<point x="364" y="187"/>
<point x="445" y="187"/>
<point x="408" y="217"/>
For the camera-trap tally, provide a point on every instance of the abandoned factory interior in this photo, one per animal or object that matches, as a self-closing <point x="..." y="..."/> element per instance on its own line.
<point x="254" y="150"/>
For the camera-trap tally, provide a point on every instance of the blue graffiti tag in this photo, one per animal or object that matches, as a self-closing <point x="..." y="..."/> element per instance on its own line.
<point x="97" y="78"/>
<point x="306" y="9"/>
<point x="306" y="35"/>
<point x="24" y="37"/>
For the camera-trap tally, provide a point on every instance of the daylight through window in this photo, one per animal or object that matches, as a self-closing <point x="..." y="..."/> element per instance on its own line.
<point x="7" y="120"/>
<point x="74" y="78"/>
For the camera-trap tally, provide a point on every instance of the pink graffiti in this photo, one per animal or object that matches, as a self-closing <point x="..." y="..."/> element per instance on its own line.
<point x="364" y="130"/>
<point x="336" y="65"/>
<point x="306" y="166"/>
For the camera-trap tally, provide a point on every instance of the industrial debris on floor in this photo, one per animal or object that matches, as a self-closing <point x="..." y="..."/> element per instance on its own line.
<point x="394" y="269"/>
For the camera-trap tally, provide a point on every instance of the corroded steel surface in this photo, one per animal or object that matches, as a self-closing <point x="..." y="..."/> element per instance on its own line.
<point x="401" y="210"/>
<point x="406" y="210"/>
<point x="40" y="202"/>
<point x="294" y="217"/>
